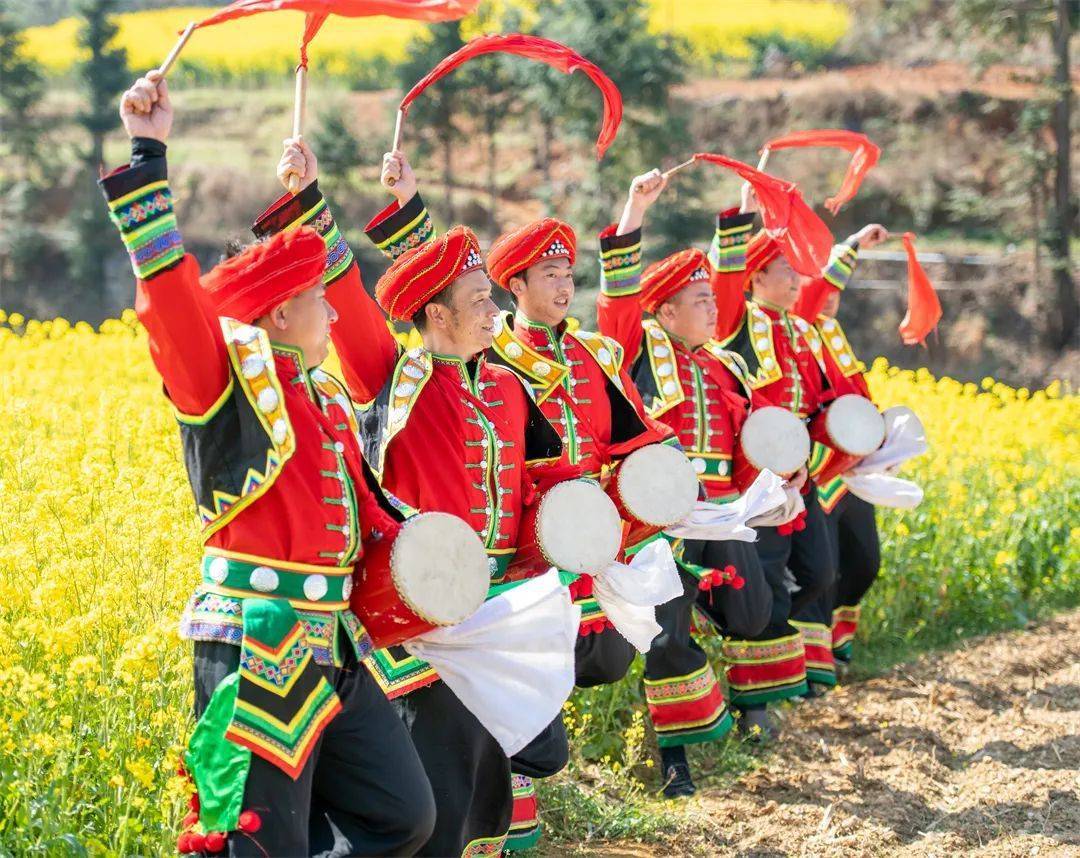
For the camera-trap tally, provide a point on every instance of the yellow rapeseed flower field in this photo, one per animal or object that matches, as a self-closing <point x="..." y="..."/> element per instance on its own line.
<point x="100" y="550"/>
<point x="268" y="43"/>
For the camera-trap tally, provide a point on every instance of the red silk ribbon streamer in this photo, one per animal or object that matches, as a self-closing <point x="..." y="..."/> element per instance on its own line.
<point x="864" y="155"/>
<point x="318" y="10"/>
<point x="542" y="50"/>
<point x="804" y="237"/>
<point x="924" y="308"/>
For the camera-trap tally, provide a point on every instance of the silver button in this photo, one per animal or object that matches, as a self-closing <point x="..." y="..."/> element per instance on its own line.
<point x="219" y="570"/>
<point x="267" y="400"/>
<point x="252" y="366"/>
<point x="279" y="430"/>
<point x="514" y="350"/>
<point x="339" y="447"/>
<point x="346" y="588"/>
<point x="315" y="587"/>
<point x="264" y="579"/>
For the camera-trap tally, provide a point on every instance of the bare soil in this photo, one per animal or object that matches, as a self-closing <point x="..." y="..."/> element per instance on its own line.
<point x="972" y="752"/>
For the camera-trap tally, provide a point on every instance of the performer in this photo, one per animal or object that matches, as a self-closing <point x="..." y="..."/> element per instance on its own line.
<point x="446" y="431"/>
<point x="702" y="393"/>
<point x="784" y="369"/>
<point x="296" y="750"/>
<point x="852" y="529"/>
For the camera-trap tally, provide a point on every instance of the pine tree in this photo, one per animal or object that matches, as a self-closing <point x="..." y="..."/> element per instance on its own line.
<point x="104" y="75"/>
<point x="21" y="90"/>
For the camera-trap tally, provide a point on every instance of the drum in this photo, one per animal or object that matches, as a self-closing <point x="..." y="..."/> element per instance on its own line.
<point x="653" y="488"/>
<point x="772" y="438"/>
<point x="433" y="573"/>
<point x="851" y="427"/>
<point x="572" y="526"/>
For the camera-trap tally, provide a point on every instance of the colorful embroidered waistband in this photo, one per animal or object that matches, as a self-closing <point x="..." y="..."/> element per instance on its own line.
<point x="325" y="588"/>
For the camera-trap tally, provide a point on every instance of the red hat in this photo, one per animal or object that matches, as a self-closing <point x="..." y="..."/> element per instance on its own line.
<point x="760" y="251"/>
<point x="664" y="279"/>
<point x="421" y="273"/>
<point x="515" y="251"/>
<point x="252" y="283"/>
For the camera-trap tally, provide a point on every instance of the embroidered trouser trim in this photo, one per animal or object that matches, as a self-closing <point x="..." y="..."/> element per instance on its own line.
<point x="817" y="644"/>
<point x="525" y="829"/>
<point x="854" y="543"/>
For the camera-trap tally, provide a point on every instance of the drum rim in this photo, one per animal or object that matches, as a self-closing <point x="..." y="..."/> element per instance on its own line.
<point x="411" y="520"/>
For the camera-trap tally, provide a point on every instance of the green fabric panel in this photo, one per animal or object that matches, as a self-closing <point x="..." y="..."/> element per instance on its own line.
<point x="218" y="766"/>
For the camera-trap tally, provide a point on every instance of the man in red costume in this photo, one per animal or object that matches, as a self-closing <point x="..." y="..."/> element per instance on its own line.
<point x="446" y="431"/>
<point x="296" y="750"/>
<point x="853" y="535"/>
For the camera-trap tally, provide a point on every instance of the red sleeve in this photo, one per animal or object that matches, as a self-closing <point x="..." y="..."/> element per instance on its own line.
<point x="727" y="254"/>
<point x="618" y="306"/>
<point x="186" y="343"/>
<point x="366" y="347"/>
<point x="812" y="298"/>
<point x="835" y="277"/>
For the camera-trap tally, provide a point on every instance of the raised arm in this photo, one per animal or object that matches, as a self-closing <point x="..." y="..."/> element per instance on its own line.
<point x="814" y="294"/>
<point x="363" y="341"/>
<point x="727" y="254"/>
<point x="185" y="338"/>
<point x="618" y="306"/>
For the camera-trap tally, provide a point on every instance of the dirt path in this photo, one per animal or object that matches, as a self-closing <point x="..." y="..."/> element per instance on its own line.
<point x="974" y="752"/>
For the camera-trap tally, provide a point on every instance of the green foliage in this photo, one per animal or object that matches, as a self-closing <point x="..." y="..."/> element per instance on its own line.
<point x="770" y="50"/>
<point x="22" y="88"/>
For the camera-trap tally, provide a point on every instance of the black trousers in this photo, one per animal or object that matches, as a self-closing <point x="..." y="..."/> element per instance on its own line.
<point x="808" y="555"/>
<point x="601" y="659"/>
<point x="363" y="791"/>
<point x="544" y="756"/>
<point x="468" y="771"/>
<point x="853" y="539"/>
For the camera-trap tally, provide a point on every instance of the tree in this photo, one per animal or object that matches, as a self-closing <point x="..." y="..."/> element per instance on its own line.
<point x="21" y="91"/>
<point x="104" y="75"/>
<point x="435" y="110"/>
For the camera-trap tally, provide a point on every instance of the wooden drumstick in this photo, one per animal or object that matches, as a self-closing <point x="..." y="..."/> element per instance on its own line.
<point x="164" y="68"/>
<point x="299" y="108"/>
<point x="669" y="173"/>
<point x="764" y="159"/>
<point x="391" y="181"/>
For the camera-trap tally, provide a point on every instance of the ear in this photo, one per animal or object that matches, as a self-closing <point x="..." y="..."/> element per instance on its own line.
<point x="435" y="314"/>
<point x="517" y="285"/>
<point x="278" y="316"/>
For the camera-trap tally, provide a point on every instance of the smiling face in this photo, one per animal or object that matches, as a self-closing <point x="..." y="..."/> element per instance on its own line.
<point x="777" y="283"/>
<point x="463" y="323"/>
<point x="303" y="322"/>
<point x="690" y="314"/>
<point x="544" y="291"/>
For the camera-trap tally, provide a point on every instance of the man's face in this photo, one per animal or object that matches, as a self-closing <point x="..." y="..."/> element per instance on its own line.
<point x="470" y="321"/>
<point x="832" y="304"/>
<point x="777" y="283"/>
<point x="690" y="314"/>
<point x="303" y="322"/>
<point x="545" y="290"/>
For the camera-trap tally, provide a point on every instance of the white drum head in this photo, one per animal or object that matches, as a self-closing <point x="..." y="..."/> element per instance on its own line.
<point x="776" y="439"/>
<point x="855" y="425"/>
<point x="440" y="568"/>
<point x="578" y="528"/>
<point x="657" y="485"/>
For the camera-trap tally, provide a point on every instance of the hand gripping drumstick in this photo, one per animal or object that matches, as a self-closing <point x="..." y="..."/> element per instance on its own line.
<point x="164" y="68"/>
<point x="391" y="181"/>
<point x="299" y="108"/>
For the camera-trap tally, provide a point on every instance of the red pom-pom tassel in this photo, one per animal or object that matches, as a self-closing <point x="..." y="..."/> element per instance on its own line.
<point x="196" y="842"/>
<point x="249" y="822"/>
<point x="189" y="820"/>
<point x="193" y="802"/>
<point x="183" y="843"/>
<point x="215" y="842"/>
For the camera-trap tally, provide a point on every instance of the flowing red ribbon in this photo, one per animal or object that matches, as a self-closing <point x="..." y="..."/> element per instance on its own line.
<point x="318" y="10"/>
<point x="924" y="308"/>
<point x="804" y="237"/>
<point x="864" y="155"/>
<point x="542" y="50"/>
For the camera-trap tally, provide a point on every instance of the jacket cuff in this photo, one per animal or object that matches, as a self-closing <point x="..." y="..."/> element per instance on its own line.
<point x="399" y="228"/>
<point x="728" y="250"/>
<point x="620" y="262"/>
<point x="140" y="204"/>
<point x="308" y="208"/>
<point x="841" y="264"/>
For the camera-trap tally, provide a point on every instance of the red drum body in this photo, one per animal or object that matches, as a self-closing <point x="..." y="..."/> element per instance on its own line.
<point x="771" y="438"/>
<point x="851" y="427"/>
<point x="573" y="526"/>
<point x="653" y="488"/>
<point x="433" y="573"/>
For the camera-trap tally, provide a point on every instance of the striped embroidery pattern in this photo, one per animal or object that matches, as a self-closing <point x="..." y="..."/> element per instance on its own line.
<point x="728" y="251"/>
<point x="148" y="228"/>
<point x="841" y="265"/>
